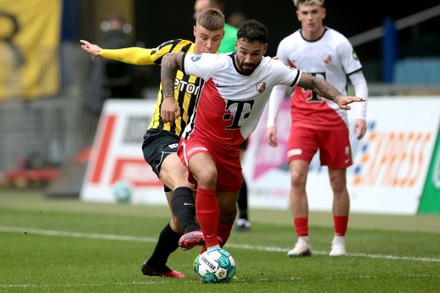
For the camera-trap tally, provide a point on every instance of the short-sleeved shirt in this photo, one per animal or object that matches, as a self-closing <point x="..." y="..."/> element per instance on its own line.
<point x="231" y="104"/>
<point x="332" y="58"/>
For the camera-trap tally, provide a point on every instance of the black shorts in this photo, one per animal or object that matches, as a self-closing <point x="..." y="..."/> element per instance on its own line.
<point x="157" y="145"/>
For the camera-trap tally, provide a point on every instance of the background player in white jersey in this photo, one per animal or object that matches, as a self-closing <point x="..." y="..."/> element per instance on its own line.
<point x="316" y="123"/>
<point x="236" y="89"/>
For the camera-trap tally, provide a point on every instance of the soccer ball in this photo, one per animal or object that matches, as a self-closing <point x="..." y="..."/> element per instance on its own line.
<point x="215" y="265"/>
<point x="122" y="192"/>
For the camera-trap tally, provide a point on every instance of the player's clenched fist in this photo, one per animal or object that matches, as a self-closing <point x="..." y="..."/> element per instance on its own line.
<point x="170" y="110"/>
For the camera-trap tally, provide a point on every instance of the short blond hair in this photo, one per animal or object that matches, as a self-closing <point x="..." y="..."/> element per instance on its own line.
<point x="298" y="2"/>
<point x="211" y="19"/>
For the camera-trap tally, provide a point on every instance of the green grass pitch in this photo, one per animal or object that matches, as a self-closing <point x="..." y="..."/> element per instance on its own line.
<point x="66" y="245"/>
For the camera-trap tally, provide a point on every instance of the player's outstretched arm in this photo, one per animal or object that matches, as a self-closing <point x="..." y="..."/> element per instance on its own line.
<point x="130" y="55"/>
<point x="327" y="90"/>
<point x="90" y="48"/>
<point x="171" y="62"/>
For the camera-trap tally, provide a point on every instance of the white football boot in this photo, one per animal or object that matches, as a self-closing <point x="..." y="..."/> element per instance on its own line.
<point x="302" y="248"/>
<point x="243" y="225"/>
<point x="338" y="246"/>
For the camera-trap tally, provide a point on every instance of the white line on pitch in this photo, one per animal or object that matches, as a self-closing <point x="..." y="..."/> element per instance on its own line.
<point x="122" y="284"/>
<point x="149" y="239"/>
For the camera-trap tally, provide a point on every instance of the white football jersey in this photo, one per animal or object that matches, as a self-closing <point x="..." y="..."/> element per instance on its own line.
<point x="231" y="103"/>
<point x="332" y="58"/>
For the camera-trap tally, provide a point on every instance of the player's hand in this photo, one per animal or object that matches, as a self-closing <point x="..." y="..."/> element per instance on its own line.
<point x="92" y="49"/>
<point x="271" y="136"/>
<point x="170" y="110"/>
<point x="343" y="101"/>
<point x="360" y="128"/>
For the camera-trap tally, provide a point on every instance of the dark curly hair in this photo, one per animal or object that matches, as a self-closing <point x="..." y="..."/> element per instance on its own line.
<point x="252" y="30"/>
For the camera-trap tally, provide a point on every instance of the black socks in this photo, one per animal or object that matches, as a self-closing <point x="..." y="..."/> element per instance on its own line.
<point x="167" y="244"/>
<point x="184" y="207"/>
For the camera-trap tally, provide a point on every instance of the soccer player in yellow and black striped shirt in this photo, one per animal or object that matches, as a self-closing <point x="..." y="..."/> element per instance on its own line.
<point x="161" y="139"/>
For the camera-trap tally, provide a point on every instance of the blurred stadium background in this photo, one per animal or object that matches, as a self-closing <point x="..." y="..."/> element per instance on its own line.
<point x="50" y="98"/>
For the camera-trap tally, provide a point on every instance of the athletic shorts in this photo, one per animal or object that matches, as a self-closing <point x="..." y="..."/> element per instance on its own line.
<point x="157" y="145"/>
<point x="333" y="145"/>
<point x="227" y="162"/>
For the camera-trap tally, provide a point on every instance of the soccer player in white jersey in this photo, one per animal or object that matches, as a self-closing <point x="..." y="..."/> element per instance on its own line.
<point x="317" y="123"/>
<point x="236" y="89"/>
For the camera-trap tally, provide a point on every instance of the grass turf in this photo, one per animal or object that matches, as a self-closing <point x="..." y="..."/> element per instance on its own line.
<point x="66" y="245"/>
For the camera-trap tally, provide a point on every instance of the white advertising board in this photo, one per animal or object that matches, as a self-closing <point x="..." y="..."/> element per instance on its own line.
<point x="389" y="171"/>
<point x="117" y="154"/>
<point x="390" y="162"/>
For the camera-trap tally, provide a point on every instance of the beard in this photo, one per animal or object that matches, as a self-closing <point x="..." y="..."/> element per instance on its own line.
<point x="247" y="68"/>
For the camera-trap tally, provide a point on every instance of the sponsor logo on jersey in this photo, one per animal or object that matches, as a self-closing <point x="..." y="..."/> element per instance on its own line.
<point x="185" y="86"/>
<point x="261" y="86"/>
<point x="195" y="58"/>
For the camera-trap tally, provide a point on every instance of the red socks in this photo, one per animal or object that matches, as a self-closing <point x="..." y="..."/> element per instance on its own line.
<point x="302" y="229"/>
<point x="301" y="226"/>
<point x="208" y="215"/>
<point x="340" y="224"/>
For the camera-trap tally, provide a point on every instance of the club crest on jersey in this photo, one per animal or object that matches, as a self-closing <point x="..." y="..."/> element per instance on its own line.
<point x="327" y="58"/>
<point x="261" y="86"/>
<point x="196" y="58"/>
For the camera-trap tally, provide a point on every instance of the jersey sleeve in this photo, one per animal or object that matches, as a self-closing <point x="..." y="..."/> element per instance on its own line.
<point x="282" y="52"/>
<point x="143" y="56"/>
<point x="275" y="101"/>
<point x="361" y="90"/>
<point x="287" y="75"/>
<point x="133" y="55"/>
<point x="200" y="65"/>
<point x="353" y="69"/>
<point x="348" y="57"/>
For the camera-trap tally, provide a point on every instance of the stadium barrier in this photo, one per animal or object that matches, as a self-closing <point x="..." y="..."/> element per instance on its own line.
<point x="389" y="175"/>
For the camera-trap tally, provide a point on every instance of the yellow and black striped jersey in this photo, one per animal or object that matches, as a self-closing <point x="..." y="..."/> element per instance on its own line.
<point x="186" y="87"/>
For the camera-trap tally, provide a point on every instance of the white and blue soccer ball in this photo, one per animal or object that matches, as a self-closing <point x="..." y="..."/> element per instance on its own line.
<point x="215" y="265"/>
<point x="122" y="191"/>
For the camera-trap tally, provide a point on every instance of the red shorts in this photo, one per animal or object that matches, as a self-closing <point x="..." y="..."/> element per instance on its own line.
<point x="333" y="145"/>
<point x="227" y="162"/>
